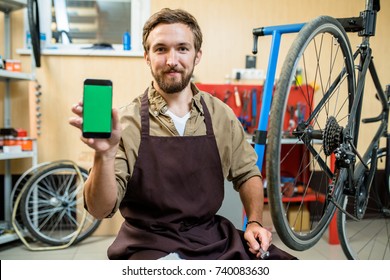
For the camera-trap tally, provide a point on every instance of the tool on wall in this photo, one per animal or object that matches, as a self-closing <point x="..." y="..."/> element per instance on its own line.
<point x="254" y="107"/>
<point x="291" y="121"/>
<point x="227" y="96"/>
<point x="300" y="113"/>
<point x="244" y="116"/>
<point x="237" y="97"/>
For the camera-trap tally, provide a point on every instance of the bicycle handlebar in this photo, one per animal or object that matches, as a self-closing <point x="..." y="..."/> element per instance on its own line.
<point x="271" y="30"/>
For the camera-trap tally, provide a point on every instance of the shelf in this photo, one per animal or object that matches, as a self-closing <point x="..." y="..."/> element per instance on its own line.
<point x="5" y="75"/>
<point x="27" y="154"/>
<point x="22" y="154"/>
<point x="8" y="6"/>
<point x="8" y="237"/>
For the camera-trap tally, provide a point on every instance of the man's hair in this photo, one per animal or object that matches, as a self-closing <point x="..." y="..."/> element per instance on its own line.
<point x="168" y="16"/>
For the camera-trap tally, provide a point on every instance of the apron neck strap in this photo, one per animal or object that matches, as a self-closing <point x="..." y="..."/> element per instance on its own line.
<point x="145" y="113"/>
<point x="207" y="118"/>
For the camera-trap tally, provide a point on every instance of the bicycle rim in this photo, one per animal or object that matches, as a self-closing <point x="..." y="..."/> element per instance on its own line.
<point x="52" y="205"/>
<point x="316" y="85"/>
<point x="368" y="238"/>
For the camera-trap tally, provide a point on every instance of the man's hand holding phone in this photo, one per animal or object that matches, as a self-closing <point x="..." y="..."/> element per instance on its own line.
<point x="96" y="118"/>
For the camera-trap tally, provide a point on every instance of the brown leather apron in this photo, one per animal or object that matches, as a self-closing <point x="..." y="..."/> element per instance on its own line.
<point x="172" y="199"/>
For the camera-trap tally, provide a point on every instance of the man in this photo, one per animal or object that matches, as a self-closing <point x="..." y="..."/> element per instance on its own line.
<point x="165" y="163"/>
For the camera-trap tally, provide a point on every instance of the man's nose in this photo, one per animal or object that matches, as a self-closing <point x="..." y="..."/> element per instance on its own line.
<point x="172" y="58"/>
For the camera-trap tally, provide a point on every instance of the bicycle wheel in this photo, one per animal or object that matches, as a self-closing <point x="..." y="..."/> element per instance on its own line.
<point x="17" y="188"/>
<point x="52" y="205"/>
<point x="369" y="237"/>
<point x="309" y="114"/>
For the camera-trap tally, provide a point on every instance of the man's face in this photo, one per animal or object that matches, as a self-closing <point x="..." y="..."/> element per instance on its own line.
<point x="172" y="56"/>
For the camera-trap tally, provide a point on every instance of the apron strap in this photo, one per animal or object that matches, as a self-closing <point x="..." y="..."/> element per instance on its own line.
<point x="145" y="115"/>
<point x="207" y="118"/>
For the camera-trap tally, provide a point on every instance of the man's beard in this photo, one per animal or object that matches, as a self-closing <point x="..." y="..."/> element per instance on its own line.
<point x="171" y="85"/>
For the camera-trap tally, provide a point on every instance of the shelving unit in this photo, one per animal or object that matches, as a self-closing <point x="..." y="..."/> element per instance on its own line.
<point x="7" y="77"/>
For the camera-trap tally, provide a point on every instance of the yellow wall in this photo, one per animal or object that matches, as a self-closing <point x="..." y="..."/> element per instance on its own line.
<point x="227" y="27"/>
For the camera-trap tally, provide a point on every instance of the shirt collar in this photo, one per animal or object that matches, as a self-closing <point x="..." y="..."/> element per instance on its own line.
<point x="158" y="105"/>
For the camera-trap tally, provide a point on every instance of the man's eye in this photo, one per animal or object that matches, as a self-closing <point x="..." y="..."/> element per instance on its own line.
<point x="160" y="50"/>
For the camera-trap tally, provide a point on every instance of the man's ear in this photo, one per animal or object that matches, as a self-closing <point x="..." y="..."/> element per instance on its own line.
<point x="146" y="56"/>
<point x="198" y="57"/>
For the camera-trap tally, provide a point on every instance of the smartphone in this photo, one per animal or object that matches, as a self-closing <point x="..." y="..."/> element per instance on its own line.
<point x="97" y="107"/>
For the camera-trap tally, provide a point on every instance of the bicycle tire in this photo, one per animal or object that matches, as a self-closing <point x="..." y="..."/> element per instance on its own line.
<point x="368" y="238"/>
<point x="52" y="205"/>
<point x="330" y="79"/>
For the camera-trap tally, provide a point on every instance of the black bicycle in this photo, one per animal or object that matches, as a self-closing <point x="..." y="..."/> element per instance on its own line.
<point x="324" y="144"/>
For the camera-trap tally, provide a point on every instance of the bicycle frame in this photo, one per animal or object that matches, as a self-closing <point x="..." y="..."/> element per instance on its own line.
<point x="367" y="64"/>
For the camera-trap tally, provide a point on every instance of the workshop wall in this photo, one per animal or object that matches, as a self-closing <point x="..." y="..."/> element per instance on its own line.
<point x="227" y="27"/>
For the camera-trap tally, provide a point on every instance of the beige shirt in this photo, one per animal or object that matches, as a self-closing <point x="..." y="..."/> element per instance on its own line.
<point x="238" y="158"/>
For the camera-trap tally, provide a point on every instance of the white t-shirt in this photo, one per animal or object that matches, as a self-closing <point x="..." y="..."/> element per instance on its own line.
<point x="180" y="122"/>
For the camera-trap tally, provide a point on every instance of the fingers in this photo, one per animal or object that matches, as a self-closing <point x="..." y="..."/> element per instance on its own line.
<point x="265" y="239"/>
<point x="101" y="145"/>
<point x="257" y="237"/>
<point x="253" y="243"/>
<point x="76" y="122"/>
<point x="78" y="110"/>
<point x="257" y="252"/>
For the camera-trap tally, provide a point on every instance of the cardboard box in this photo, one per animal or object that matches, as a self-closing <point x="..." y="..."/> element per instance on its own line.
<point x="299" y="217"/>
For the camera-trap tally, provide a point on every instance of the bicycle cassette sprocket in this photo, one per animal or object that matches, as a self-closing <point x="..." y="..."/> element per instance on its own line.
<point x="332" y="136"/>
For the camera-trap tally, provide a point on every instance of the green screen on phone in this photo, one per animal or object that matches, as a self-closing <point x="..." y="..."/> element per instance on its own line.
<point x="97" y="108"/>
